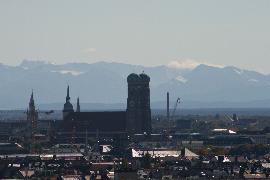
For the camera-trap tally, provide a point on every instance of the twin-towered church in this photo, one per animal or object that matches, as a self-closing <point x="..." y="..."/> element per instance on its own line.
<point x="135" y="120"/>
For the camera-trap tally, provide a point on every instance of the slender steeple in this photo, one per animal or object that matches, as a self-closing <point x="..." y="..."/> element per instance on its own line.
<point x="68" y="107"/>
<point x="32" y="102"/>
<point x="32" y="114"/>
<point x="32" y="118"/>
<point x="78" y="105"/>
<point x="68" y="97"/>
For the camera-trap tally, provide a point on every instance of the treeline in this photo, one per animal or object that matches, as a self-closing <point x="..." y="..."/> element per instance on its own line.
<point x="241" y="150"/>
<point x="250" y="149"/>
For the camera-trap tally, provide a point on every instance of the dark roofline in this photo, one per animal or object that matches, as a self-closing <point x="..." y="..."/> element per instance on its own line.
<point x="99" y="112"/>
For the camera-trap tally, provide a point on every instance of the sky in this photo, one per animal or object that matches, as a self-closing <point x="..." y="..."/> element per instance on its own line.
<point x="145" y="32"/>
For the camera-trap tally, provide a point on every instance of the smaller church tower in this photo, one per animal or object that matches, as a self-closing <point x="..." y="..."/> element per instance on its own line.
<point x="68" y="107"/>
<point x="32" y="115"/>
<point x="78" y="105"/>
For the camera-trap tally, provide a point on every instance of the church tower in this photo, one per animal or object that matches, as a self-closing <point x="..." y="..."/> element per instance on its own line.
<point x="32" y="115"/>
<point x="138" y="104"/>
<point x="145" y="103"/>
<point x="68" y="107"/>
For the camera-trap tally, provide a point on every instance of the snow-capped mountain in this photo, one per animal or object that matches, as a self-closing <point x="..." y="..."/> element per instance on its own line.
<point x="105" y="82"/>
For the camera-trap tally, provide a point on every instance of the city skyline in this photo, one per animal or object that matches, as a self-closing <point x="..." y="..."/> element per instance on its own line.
<point x="134" y="89"/>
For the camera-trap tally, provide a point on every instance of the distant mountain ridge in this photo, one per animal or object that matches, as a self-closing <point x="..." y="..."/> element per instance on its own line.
<point x="105" y="84"/>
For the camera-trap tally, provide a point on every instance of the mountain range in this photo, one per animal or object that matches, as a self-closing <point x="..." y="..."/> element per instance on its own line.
<point x="103" y="85"/>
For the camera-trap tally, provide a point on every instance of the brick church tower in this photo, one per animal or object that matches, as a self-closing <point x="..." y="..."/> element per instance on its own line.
<point x="138" y="104"/>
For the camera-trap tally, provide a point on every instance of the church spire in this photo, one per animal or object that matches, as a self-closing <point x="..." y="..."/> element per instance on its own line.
<point x="32" y="102"/>
<point x="78" y="105"/>
<point x="32" y="117"/>
<point x="68" y="97"/>
<point x="32" y="94"/>
<point x="68" y="107"/>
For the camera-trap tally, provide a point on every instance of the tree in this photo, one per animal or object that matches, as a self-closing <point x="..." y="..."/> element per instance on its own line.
<point x="248" y="149"/>
<point x="146" y="161"/>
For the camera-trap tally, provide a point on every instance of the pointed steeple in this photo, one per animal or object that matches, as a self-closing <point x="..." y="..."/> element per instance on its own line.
<point x="78" y="105"/>
<point x="32" y="94"/>
<point x="68" y="107"/>
<point x="32" y="115"/>
<point x="68" y="97"/>
<point x="32" y="102"/>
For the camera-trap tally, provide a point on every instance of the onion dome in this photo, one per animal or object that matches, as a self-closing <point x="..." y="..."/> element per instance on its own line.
<point x="144" y="77"/>
<point x="133" y="77"/>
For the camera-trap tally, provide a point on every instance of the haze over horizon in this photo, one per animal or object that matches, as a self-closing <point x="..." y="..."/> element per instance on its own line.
<point x="106" y="83"/>
<point x="184" y="64"/>
<point x="149" y="33"/>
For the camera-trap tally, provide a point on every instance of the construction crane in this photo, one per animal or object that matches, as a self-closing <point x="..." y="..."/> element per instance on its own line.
<point x="178" y="101"/>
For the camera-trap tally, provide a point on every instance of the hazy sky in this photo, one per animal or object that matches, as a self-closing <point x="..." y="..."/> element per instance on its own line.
<point x="148" y="32"/>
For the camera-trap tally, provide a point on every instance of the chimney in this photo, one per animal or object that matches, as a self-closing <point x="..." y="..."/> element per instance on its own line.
<point x="168" y="106"/>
